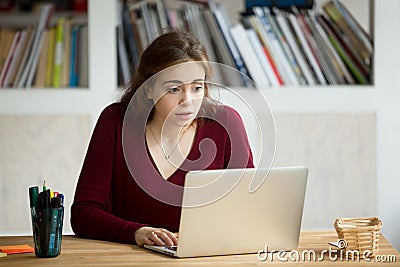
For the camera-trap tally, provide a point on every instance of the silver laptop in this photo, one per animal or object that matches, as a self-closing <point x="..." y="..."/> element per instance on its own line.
<point x="242" y="220"/>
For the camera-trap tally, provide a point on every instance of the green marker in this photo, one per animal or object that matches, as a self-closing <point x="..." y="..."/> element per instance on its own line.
<point x="33" y="196"/>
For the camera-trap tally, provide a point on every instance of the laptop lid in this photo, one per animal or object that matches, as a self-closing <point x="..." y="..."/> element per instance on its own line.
<point x="241" y="221"/>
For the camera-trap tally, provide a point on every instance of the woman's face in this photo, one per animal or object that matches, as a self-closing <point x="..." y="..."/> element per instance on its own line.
<point x="178" y="93"/>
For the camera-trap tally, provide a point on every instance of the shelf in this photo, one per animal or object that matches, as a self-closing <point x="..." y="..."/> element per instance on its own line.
<point x="53" y="101"/>
<point x="314" y="99"/>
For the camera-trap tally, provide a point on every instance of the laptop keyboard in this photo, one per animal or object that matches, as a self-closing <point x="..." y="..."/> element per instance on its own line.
<point x="172" y="248"/>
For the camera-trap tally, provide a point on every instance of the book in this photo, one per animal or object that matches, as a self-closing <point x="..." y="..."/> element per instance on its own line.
<point x="50" y="57"/>
<point x="332" y="54"/>
<point x="224" y="26"/>
<point x="31" y="64"/>
<point x="364" y="37"/>
<point x="297" y="27"/>
<point x="293" y="67"/>
<point x="276" y="50"/>
<point x="149" y="25"/>
<point x="282" y="21"/>
<point x="25" y="56"/>
<point x="16" y="60"/>
<point x="276" y="78"/>
<point x="358" y="75"/>
<point x="10" y="55"/>
<point x="249" y="4"/>
<point x="7" y="37"/>
<point x="129" y="37"/>
<point x="263" y="54"/>
<point x="334" y="13"/>
<point x="218" y="40"/>
<point x="197" y="25"/>
<point x="64" y="77"/>
<point x="259" y="51"/>
<point x="344" y="41"/>
<point x="122" y="51"/>
<point x="250" y="58"/>
<point x="74" y="63"/>
<point x="83" y="80"/>
<point x="332" y="75"/>
<point x="58" y="52"/>
<point x="139" y="29"/>
<point x="40" y="78"/>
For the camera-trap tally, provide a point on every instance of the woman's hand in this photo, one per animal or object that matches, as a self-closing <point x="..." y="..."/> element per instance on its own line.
<point x="155" y="236"/>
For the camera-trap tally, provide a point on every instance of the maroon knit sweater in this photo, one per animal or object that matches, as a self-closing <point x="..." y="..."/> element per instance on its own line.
<point x="110" y="205"/>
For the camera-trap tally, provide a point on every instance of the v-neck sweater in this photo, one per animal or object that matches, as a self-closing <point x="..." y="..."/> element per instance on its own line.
<point x="110" y="203"/>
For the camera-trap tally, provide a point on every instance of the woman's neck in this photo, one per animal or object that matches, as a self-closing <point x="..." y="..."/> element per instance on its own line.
<point x="168" y="132"/>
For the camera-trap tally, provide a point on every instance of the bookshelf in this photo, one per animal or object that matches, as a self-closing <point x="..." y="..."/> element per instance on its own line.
<point x="378" y="99"/>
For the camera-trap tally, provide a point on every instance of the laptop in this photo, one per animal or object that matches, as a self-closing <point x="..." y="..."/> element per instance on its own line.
<point x="241" y="220"/>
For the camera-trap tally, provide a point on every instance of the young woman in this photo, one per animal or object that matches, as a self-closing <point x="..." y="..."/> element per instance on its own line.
<point x="182" y="130"/>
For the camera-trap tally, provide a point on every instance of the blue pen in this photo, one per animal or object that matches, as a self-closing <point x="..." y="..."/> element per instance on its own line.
<point x="61" y="196"/>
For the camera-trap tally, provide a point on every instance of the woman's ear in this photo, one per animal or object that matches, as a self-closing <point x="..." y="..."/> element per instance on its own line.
<point x="148" y="93"/>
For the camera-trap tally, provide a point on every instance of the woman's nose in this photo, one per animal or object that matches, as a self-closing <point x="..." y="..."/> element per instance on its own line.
<point x="186" y="96"/>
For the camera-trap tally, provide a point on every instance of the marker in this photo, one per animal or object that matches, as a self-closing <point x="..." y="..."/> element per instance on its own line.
<point x="33" y="196"/>
<point x="44" y="185"/>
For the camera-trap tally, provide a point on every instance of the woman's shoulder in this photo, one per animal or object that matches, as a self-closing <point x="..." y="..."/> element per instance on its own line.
<point x="224" y="116"/>
<point x="111" y="114"/>
<point x="227" y="113"/>
<point x="113" y="110"/>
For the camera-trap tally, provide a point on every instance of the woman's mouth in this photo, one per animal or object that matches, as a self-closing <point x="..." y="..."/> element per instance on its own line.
<point x="184" y="115"/>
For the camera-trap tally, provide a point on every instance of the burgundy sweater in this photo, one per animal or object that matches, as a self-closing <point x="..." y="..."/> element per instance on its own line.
<point x="110" y="205"/>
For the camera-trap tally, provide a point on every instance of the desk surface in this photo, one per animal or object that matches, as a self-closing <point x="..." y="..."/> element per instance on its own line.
<point x="85" y="252"/>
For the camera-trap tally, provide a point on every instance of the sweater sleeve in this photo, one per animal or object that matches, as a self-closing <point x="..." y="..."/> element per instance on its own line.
<point x="237" y="148"/>
<point x="90" y="212"/>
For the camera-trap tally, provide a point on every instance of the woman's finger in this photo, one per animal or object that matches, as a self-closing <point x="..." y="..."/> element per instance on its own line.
<point x="165" y="237"/>
<point x="156" y="239"/>
<point x="172" y="237"/>
<point x="148" y="241"/>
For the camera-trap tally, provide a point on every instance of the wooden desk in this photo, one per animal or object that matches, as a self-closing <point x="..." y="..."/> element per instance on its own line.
<point x="85" y="252"/>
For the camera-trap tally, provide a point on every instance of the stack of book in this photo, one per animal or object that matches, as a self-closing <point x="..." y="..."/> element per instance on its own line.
<point x="302" y="47"/>
<point x="44" y="55"/>
<point x="292" y="46"/>
<point x="141" y="22"/>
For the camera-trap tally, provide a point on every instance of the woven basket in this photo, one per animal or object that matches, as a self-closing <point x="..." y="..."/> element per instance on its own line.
<point x="361" y="234"/>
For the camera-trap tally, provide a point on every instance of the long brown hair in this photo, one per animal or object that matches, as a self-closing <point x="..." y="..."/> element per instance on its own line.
<point x="165" y="51"/>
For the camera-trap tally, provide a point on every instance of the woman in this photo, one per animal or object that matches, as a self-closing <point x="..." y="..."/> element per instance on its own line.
<point x="174" y="106"/>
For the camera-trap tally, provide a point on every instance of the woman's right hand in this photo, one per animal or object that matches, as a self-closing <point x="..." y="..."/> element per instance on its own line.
<point x="155" y="236"/>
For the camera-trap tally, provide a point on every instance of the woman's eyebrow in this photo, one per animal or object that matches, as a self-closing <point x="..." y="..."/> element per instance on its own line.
<point x="181" y="82"/>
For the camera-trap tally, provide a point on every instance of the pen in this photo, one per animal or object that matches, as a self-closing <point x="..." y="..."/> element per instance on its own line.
<point x="61" y="196"/>
<point x="47" y="199"/>
<point x="44" y="185"/>
<point x="55" y="202"/>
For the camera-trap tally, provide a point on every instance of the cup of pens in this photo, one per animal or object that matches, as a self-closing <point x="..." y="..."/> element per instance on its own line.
<point x="47" y="214"/>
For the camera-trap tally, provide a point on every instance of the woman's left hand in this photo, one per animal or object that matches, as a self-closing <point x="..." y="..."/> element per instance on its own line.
<point x="155" y="236"/>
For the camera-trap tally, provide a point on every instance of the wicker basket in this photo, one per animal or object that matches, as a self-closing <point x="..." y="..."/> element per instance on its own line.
<point x="361" y="234"/>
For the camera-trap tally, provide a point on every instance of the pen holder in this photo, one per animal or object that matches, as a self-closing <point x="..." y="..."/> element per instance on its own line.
<point x="47" y="227"/>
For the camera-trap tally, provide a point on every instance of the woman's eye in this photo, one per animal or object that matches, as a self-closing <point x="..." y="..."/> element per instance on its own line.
<point x="173" y="89"/>
<point x="198" y="88"/>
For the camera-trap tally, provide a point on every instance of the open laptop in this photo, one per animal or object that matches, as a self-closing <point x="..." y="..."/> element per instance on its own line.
<point x="241" y="221"/>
